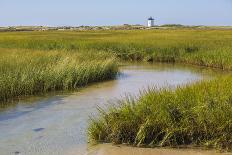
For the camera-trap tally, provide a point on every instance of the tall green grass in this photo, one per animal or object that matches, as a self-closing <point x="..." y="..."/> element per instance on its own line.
<point x="199" y="114"/>
<point x="206" y="47"/>
<point x="26" y="72"/>
<point x="196" y="115"/>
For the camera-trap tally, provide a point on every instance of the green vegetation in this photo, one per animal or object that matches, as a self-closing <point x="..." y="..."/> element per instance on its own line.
<point x="26" y="72"/>
<point x="210" y="48"/>
<point x="199" y="114"/>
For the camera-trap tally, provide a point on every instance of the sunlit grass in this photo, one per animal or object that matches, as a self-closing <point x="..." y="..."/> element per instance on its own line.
<point x="26" y="72"/>
<point x="196" y="115"/>
<point x="206" y="47"/>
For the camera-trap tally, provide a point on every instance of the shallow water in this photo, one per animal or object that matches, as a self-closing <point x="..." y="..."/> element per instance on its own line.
<point x="57" y="124"/>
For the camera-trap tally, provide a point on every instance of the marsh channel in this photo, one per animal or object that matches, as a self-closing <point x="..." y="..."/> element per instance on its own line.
<point x="56" y="123"/>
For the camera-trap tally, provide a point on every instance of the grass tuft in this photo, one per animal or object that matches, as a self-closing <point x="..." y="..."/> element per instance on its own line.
<point x="196" y="115"/>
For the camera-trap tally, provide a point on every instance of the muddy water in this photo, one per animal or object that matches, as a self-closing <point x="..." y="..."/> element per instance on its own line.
<point x="57" y="124"/>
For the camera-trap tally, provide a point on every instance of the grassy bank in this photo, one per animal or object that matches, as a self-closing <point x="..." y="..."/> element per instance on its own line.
<point x="196" y="115"/>
<point x="29" y="72"/>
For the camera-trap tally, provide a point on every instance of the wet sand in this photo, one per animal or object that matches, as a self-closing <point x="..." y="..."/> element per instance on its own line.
<point x="108" y="149"/>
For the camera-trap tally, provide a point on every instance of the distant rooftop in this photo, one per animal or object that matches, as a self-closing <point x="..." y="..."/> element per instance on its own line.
<point x="151" y="18"/>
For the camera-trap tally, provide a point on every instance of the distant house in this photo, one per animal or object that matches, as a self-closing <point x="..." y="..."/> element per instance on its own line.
<point x="151" y="22"/>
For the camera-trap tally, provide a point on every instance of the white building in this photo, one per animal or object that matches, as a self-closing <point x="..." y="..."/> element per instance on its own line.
<point x="151" y="22"/>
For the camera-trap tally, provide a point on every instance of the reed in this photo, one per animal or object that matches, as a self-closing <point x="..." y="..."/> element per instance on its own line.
<point x="205" y="47"/>
<point x="26" y="72"/>
<point x="196" y="115"/>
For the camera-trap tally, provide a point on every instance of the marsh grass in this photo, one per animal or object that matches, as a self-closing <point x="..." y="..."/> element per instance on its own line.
<point x="196" y="115"/>
<point x="211" y="48"/>
<point x="199" y="114"/>
<point x="26" y="72"/>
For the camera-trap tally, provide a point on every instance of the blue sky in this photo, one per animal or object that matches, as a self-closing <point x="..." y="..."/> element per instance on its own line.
<point x="117" y="12"/>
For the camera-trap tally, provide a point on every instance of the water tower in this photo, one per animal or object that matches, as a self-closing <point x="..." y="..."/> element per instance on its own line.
<point x="151" y="22"/>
